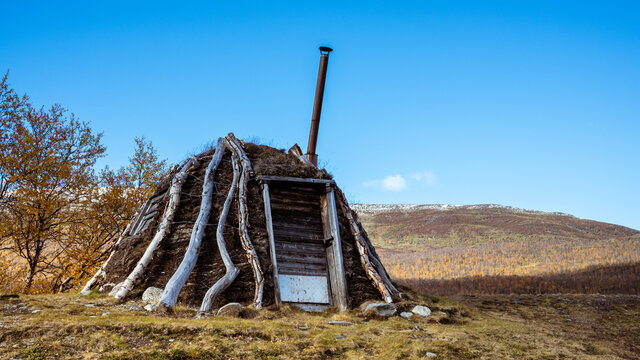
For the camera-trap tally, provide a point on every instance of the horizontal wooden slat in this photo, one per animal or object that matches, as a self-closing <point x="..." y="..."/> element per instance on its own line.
<point x="302" y="259"/>
<point x="301" y="269"/>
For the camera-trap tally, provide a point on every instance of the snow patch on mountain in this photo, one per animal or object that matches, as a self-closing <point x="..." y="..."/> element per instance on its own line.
<point x="372" y="209"/>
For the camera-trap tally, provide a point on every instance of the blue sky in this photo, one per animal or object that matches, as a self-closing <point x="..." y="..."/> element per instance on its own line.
<point x="529" y="104"/>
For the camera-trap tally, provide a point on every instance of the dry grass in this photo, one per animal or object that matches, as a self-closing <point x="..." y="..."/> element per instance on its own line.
<point x="490" y="327"/>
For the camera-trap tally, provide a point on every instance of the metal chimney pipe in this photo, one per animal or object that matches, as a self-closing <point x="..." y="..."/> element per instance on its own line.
<point x="317" y="105"/>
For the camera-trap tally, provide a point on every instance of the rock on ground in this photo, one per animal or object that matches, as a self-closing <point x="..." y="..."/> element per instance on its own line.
<point x="380" y="309"/>
<point x="421" y="310"/>
<point x="231" y="309"/>
<point x="406" y="314"/>
<point x="151" y="295"/>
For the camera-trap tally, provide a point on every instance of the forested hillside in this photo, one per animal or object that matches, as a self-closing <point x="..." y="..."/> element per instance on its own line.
<point x="445" y="249"/>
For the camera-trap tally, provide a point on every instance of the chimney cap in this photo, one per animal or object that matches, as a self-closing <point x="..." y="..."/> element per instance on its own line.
<point x="325" y="49"/>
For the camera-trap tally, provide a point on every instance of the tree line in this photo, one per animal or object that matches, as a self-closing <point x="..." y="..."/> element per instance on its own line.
<point x="59" y="215"/>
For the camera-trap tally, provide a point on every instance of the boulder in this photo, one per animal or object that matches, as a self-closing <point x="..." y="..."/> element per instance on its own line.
<point x="430" y="354"/>
<point x="231" y="309"/>
<point x="421" y="310"/>
<point x="151" y="295"/>
<point x="405" y="314"/>
<point x="380" y="310"/>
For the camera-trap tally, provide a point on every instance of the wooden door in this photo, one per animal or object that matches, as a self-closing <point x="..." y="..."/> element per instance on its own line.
<point x="300" y="246"/>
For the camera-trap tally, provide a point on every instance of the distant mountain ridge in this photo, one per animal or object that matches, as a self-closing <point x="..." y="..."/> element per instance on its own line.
<point x="377" y="208"/>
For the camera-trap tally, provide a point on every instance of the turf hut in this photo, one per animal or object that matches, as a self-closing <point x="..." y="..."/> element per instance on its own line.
<point x="246" y="223"/>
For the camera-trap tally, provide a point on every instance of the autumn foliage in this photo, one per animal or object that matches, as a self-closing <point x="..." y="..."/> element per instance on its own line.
<point x="58" y="216"/>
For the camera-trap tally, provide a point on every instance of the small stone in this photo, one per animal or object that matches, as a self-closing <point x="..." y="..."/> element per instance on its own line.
<point x="380" y="309"/>
<point x="443" y="313"/>
<point x="148" y="307"/>
<point x="134" y="307"/>
<point x="36" y="311"/>
<point x="89" y="305"/>
<point x="339" y="323"/>
<point x="171" y="340"/>
<point x="116" y="288"/>
<point x="151" y="295"/>
<point x="417" y="328"/>
<point x="421" y="310"/>
<point x="231" y="309"/>
<point x="405" y="314"/>
<point x="105" y="313"/>
<point x="340" y="337"/>
<point x="304" y="327"/>
<point x="430" y="354"/>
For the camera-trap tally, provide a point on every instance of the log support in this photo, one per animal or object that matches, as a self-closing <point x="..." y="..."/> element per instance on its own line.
<point x="231" y="270"/>
<point x="383" y="285"/>
<point x="243" y="215"/>
<point x="172" y="289"/>
<point x="121" y="290"/>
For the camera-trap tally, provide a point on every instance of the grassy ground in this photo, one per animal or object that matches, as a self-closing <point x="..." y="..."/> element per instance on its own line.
<point x="463" y="327"/>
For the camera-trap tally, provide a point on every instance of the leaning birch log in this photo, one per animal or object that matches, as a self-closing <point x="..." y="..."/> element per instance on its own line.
<point x="171" y="291"/>
<point x="377" y="263"/>
<point x="121" y="290"/>
<point x="243" y="215"/>
<point x="231" y="271"/>
<point x="101" y="272"/>
<point x="363" y="250"/>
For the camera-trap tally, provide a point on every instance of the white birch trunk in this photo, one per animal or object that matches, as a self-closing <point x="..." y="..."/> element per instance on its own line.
<point x="100" y="273"/>
<point x="179" y="278"/>
<point x="243" y="214"/>
<point x="123" y="288"/>
<point x="231" y="270"/>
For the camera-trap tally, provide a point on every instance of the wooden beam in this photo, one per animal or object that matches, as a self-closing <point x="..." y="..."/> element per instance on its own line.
<point x="266" y="178"/>
<point x="331" y="263"/>
<point x="272" y="243"/>
<point x="336" y="246"/>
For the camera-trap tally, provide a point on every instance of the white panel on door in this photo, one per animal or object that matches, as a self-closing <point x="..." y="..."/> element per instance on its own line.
<point x="304" y="289"/>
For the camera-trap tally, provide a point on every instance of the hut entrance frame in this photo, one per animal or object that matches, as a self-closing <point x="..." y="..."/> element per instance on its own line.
<point x="304" y="242"/>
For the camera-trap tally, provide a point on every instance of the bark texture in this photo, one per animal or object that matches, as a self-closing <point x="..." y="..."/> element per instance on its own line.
<point x="243" y="215"/>
<point x="231" y="270"/>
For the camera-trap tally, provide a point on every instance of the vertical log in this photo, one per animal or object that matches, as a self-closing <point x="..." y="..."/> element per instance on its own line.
<point x="231" y="270"/>
<point x="272" y="242"/>
<point x="121" y="290"/>
<point x="243" y="215"/>
<point x="172" y="289"/>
